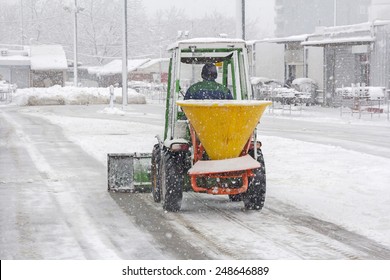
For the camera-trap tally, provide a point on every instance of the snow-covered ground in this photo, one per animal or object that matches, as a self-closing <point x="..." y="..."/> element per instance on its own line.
<point x="347" y="187"/>
<point x="339" y="185"/>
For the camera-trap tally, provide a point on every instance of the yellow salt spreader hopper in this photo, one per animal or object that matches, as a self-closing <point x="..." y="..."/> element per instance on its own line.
<point x="221" y="134"/>
<point x="223" y="126"/>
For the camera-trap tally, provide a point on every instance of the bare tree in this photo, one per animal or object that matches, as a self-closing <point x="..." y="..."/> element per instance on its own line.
<point x="99" y="32"/>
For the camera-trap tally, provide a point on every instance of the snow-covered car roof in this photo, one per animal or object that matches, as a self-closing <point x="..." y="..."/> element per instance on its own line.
<point x="264" y="80"/>
<point x="300" y="81"/>
<point x="210" y="42"/>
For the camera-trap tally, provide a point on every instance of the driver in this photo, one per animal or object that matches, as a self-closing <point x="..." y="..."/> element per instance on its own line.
<point x="208" y="88"/>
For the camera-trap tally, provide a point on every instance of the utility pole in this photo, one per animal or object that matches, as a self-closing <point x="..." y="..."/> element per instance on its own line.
<point x="243" y="18"/>
<point x="75" y="62"/>
<point x="75" y="9"/>
<point x="21" y="22"/>
<point x="124" y="55"/>
<point x="240" y="19"/>
<point x="334" y="12"/>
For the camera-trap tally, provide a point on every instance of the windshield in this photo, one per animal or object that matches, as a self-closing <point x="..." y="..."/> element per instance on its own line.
<point x="230" y="66"/>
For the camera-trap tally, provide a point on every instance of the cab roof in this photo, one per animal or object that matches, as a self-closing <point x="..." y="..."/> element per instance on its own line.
<point x="208" y="43"/>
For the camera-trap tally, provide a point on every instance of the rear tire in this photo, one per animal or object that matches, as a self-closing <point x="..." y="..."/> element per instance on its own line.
<point x="235" y="197"/>
<point x="156" y="172"/>
<point x="254" y="197"/>
<point x="173" y="181"/>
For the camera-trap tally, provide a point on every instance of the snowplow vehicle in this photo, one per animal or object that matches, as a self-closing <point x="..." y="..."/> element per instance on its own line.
<point x="209" y="145"/>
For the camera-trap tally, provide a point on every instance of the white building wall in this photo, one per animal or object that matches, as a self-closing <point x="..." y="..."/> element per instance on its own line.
<point x="315" y="62"/>
<point x="270" y="60"/>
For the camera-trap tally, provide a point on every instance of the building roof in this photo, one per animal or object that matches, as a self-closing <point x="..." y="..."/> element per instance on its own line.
<point x="115" y="67"/>
<point x="289" y="39"/>
<point x="361" y="33"/>
<point x="153" y="62"/>
<point x="14" y="57"/>
<point x="334" y="41"/>
<point x="48" y="57"/>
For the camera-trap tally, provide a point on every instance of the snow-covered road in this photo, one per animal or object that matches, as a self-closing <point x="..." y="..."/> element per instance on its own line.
<point x="54" y="203"/>
<point x="327" y="192"/>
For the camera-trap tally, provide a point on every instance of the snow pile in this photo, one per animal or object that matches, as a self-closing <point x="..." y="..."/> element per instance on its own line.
<point x="58" y="95"/>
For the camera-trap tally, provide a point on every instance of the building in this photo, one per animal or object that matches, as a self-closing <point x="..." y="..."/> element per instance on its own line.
<point x="285" y="59"/>
<point x="354" y="54"/>
<point x="15" y="66"/>
<point x="155" y="70"/>
<point x="302" y="16"/>
<point x="48" y="66"/>
<point x="111" y="73"/>
<point x="147" y="70"/>
<point x="34" y="66"/>
<point x="334" y="57"/>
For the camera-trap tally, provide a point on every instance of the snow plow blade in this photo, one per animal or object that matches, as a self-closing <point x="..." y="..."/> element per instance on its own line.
<point x="223" y="126"/>
<point x="129" y="172"/>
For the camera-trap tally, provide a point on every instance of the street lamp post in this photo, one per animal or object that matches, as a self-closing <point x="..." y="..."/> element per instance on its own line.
<point x="21" y="22"/>
<point x="75" y="70"/>
<point x="240" y="19"/>
<point x="124" y="55"/>
<point x="75" y="9"/>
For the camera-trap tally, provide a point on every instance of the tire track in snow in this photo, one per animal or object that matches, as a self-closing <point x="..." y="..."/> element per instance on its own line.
<point x="371" y="248"/>
<point x="308" y="237"/>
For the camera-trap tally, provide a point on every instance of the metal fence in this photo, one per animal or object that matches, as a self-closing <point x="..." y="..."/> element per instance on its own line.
<point x="6" y="91"/>
<point x="361" y="100"/>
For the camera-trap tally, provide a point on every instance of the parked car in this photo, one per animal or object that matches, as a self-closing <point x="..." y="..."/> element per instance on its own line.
<point x="263" y="87"/>
<point x="289" y="96"/>
<point x="308" y="88"/>
<point x="275" y="90"/>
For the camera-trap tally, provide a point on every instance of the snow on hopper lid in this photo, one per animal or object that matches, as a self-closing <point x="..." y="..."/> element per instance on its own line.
<point x="223" y="126"/>
<point x="48" y="57"/>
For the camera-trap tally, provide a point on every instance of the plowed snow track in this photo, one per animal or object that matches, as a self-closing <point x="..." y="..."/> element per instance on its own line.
<point x="279" y="231"/>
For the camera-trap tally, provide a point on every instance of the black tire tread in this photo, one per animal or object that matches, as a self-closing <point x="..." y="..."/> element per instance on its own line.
<point x="174" y="181"/>
<point x="156" y="178"/>
<point x="254" y="197"/>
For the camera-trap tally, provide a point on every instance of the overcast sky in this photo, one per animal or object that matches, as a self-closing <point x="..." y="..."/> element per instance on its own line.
<point x="263" y="10"/>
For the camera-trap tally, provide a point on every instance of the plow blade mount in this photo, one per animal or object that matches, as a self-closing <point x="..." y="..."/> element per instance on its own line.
<point x="129" y="172"/>
<point x="223" y="126"/>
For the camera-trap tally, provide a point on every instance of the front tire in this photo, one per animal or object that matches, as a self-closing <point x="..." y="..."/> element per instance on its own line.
<point x="155" y="173"/>
<point x="254" y="197"/>
<point x="173" y="181"/>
